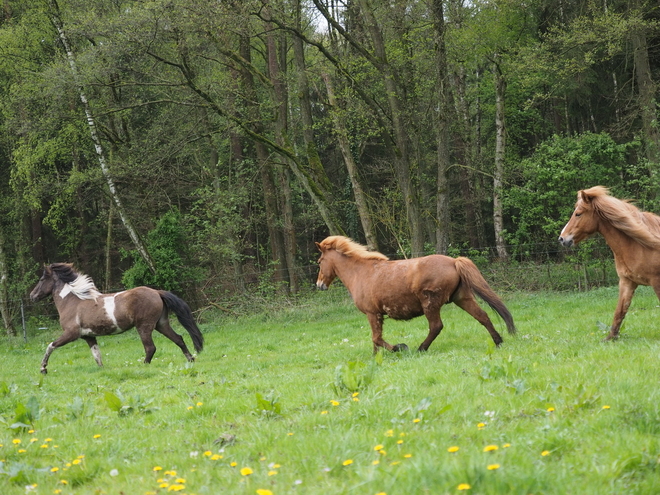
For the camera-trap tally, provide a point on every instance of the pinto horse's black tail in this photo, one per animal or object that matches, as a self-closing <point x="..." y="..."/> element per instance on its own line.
<point x="183" y="313"/>
<point x="472" y="277"/>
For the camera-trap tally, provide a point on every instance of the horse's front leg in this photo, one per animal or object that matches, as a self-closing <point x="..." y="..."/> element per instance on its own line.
<point x="68" y="336"/>
<point x="626" y="291"/>
<point x="376" y="322"/>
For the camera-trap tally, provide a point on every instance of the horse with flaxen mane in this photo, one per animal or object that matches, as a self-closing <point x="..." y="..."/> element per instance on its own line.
<point x="632" y="235"/>
<point x="405" y="289"/>
<point x="86" y="313"/>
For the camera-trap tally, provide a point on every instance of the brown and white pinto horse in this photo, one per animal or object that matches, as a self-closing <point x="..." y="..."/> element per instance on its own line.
<point x="405" y="289"/>
<point x="632" y="235"/>
<point x="86" y="313"/>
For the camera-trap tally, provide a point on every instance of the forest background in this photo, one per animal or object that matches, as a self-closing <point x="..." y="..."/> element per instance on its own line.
<point x="204" y="146"/>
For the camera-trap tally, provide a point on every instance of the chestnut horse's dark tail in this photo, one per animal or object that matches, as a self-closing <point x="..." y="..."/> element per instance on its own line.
<point x="474" y="280"/>
<point x="182" y="311"/>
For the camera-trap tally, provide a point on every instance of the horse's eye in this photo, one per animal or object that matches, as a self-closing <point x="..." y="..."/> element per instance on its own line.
<point x="578" y="214"/>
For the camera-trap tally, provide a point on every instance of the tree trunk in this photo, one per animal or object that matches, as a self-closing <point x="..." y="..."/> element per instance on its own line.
<point x="400" y="137"/>
<point x="4" y="290"/>
<point x="500" y="147"/>
<point x="59" y="26"/>
<point x="442" y="131"/>
<point x="648" y="106"/>
<point x="344" y="145"/>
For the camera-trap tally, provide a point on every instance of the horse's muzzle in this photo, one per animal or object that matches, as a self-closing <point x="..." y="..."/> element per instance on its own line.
<point x="566" y="241"/>
<point x="321" y="285"/>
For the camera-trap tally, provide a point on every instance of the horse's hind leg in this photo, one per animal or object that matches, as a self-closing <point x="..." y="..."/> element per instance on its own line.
<point x="164" y="327"/>
<point x="144" y="331"/>
<point x="63" y="340"/>
<point x="94" y="347"/>
<point x="469" y="304"/>
<point x="431" y="304"/>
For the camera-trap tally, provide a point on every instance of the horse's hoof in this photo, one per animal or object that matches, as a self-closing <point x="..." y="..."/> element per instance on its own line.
<point x="44" y="371"/>
<point x="400" y="348"/>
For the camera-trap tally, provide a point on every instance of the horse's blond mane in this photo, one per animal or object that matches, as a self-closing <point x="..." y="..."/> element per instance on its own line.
<point x="350" y="248"/>
<point x="81" y="285"/>
<point x="643" y="227"/>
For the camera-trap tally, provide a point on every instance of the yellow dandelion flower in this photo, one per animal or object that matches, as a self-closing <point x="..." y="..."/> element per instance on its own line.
<point x="76" y="461"/>
<point x="164" y="484"/>
<point x="334" y="402"/>
<point x="506" y="445"/>
<point x="356" y="399"/>
<point x="97" y="436"/>
<point x="57" y="491"/>
<point x="233" y="464"/>
<point x="54" y="469"/>
<point x="493" y="467"/>
<point x="463" y="486"/>
<point x="64" y="482"/>
<point x="453" y="449"/>
<point x="216" y="457"/>
<point x="48" y="440"/>
<point x="394" y="463"/>
<point x="375" y="463"/>
<point x="30" y="432"/>
<point x="347" y="462"/>
<point x="275" y="466"/>
<point x="199" y="404"/>
<point x="382" y="452"/>
<point x="355" y="394"/>
<point x="407" y="456"/>
<point x="481" y="425"/>
<point x="606" y="407"/>
<point x="208" y="453"/>
<point x="16" y="441"/>
<point x="324" y="412"/>
<point x="22" y="451"/>
<point x="416" y="420"/>
<point x="389" y="433"/>
<point x="381" y="493"/>
<point x="180" y="480"/>
<point x="170" y="473"/>
<point x="272" y="472"/>
<point x="550" y="409"/>
<point x="290" y="434"/>
<point x="399" y="442"/>
<point x="81" y="457"/>
<point x="378" y="447"/>
<point x="402" y="434"/>
<point x="490" y="448"/>
<point x="246" y="471"/>
<point x="262" y="458"/>
<point x="190" y="408"/>
<point x="44" y="446"/>
<point x="157" y="468"/>
<point x="32" y="440"/>
<point x="545" y="453"/>
<point x="264" y="491"/>
<point x="175" y="488"/>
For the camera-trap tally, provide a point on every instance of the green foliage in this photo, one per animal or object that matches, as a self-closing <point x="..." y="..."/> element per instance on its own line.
<point x="268" y="406"/>
<point x="355" y="376"/>
<point x="552" y="176"/>
<point x="167" y="244"/>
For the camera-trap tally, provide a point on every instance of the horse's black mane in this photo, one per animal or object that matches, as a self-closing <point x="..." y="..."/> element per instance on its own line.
<point x="64" y="272"/>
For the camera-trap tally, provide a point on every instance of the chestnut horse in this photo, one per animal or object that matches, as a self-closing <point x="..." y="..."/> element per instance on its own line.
<point x="632" y="235"/>
<point x="405" y="289"/>
<point x="86" y="313"/>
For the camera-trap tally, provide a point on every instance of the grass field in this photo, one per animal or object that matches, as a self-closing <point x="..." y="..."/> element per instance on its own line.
<point x="292" y="402"/>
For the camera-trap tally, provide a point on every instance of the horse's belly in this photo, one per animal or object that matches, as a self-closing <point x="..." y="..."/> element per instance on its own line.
<point x="102" y="330"/>
<point x="402" y="311"/>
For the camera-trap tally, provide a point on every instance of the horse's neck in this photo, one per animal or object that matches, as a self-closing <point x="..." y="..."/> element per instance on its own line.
<point x="350" y="271"/>
<point x="618" y="241"/>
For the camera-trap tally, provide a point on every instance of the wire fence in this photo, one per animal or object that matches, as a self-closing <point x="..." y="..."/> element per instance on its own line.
<point x="533" y="267"/>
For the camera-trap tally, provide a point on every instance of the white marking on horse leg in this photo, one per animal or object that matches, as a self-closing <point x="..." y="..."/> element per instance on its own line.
<point x="96" y="352"/>
<point x="44" y="361"/>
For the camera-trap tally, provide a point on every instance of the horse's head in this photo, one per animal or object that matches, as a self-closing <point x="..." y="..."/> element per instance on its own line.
<point x="584" y="221"/>
<point x="326" y="269"/>
<point x="45" y="286"/>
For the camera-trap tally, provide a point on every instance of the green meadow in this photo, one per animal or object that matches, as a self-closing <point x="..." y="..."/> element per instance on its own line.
<point x="291" y="401"/>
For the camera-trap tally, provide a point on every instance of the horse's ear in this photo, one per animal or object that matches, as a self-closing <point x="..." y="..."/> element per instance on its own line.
<point x="584" y="197"/>
<point x="318" y="246"/>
